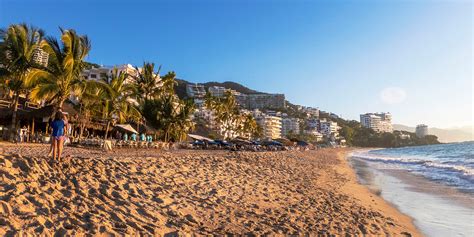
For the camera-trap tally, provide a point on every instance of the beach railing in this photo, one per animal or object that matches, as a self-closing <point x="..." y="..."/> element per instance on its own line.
<point x="5" y="104"/>
<point x="32" y="105"/>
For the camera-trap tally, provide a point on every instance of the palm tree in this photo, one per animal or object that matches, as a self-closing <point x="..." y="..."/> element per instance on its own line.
<point x="226" y="113"/>
<point x="170" y="115"/>
<point x="168" y="82"/>
<point x="62" y="77"/>
<point x="17" y="46"/>
<point x="117" y="103"/>
<point x="90" y="105"/>
<point x="147" y="81"/>
<point x="181" y="123"/>
<point x="249" y="127"/>
<point x="166" y="112"/>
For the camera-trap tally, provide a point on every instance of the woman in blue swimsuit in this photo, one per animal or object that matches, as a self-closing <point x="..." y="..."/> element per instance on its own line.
<point x="59" y="131"/>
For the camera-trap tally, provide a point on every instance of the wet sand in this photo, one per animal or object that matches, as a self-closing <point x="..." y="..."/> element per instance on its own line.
<point x="151" y="192"/>
<point x="437" y="210"/>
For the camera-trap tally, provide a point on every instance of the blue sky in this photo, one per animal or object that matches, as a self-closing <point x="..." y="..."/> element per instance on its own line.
<point x="412" y="58"/>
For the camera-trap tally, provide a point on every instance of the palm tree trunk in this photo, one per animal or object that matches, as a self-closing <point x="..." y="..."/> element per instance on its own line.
<point x="107" y="129"/>
<point x="82" y="125"/>
<point x="14" y="113"/>
<point x="166" y="134"/>
<point x="60" y="105"/>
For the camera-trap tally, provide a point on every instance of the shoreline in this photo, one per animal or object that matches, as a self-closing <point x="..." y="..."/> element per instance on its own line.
<point x="156" y="192"/>
<point x="372" y="198"/>
<point x="436" y="209"/>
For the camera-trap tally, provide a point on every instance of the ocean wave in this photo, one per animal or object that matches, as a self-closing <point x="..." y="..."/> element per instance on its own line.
<point x="466" y="171"/>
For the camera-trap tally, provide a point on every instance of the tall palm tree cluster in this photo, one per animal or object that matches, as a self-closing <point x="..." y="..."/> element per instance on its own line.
<point x="232" y="122"/>
<point x="114" y="98"/>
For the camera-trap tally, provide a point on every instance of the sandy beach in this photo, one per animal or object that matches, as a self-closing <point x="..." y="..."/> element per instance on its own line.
<point x="155" y="193"/>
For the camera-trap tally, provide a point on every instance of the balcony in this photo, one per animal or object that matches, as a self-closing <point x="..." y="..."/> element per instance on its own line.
<point x="32" y="105"/>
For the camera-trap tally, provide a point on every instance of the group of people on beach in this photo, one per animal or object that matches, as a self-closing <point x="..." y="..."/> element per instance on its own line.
<point x="134" y="137"/>
<point x="22" y="134"/>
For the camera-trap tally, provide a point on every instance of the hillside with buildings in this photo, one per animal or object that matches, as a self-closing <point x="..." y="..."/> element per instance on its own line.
<point x="279" y="118"/>
<point x="275" y="117"/>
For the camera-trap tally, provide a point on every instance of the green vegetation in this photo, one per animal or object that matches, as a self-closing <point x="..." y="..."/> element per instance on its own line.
<point x="231" y="121"/>
<point x="115" y="98"/>
<point x="161" y="107"/>
<point x="170" y="115"/>
<point x="17" y="44"/>
<point x="62" y="77"/>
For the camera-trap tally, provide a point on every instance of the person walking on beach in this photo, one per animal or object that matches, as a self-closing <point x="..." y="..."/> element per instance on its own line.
<point x="58" y="135"/>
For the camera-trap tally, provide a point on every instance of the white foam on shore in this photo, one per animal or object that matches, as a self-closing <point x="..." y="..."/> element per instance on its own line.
<point x="414" y="160"/>
<point x="434" y="215"/>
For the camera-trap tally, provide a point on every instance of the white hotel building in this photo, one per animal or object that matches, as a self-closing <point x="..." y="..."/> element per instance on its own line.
<point x="271" y="125"/>
<point x="97" y="73"/>
<point x="379" y="122"/>
<point x="40" y="57"/>
<point x="421" y="130"/>
<point x="329" y="128"/>
<point x="290" y="125"/>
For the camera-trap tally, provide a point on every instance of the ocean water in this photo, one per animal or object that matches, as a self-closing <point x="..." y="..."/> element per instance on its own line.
<point x="449" y="164"/>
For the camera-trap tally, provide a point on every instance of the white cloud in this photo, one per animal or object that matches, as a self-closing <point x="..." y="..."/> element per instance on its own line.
<point x="393" y="95"/>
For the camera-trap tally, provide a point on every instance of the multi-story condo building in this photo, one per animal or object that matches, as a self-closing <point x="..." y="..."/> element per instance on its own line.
<point x="263" y="101"/>
<point x="312" y="123"/>
<point x="329" y="128"/>
<point x="271" y="125"/>
<point x="219" y="91"/>
<point x="421" y="130"/>
<point x="311" y="112"/>
<point x="252" y="101"/>
<point x="314" y="132"/>
<point x="106" y="71"/>
<point x="206" y="116"/>
<point x="379" y="122"/>
<point x="96" y="73"/>
<point x="195" y="90"/>
<point x="40" y="57"/>
<point x="290" y="125"/>
<point x="275" y="113"/>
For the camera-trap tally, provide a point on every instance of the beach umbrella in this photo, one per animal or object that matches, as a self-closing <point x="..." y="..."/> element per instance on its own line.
<point x="126" y="128"/>
<point x="200" y="138"/>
